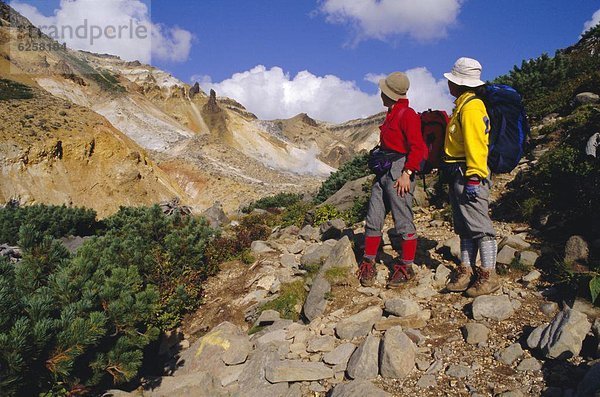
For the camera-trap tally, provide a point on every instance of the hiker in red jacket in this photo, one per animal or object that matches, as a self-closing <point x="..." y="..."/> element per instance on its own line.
<point x="395" y="162"/>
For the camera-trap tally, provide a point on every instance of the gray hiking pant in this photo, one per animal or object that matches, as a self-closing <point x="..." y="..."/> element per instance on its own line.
<point x="384" y="198"/>
<point x="471" y="218"/>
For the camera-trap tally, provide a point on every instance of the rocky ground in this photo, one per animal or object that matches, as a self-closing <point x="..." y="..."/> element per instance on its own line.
<point x="524" y="340"/>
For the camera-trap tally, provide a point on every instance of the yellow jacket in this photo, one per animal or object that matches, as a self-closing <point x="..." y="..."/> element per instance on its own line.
<point x="467" y="135"/>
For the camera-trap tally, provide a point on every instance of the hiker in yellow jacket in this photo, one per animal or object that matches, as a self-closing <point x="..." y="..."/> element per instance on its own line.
<point x="466" y="171"/>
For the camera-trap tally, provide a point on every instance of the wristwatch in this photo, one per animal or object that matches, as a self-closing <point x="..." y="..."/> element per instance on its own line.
<point x="409" y="172"/>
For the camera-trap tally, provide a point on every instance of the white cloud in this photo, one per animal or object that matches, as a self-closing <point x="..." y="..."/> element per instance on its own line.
<point x="383" y="19"/>
<point x="428" y="93"/>
<point x="274" y="94"/>
<point x="592" y="22"/>
<point x="118" y="27"/>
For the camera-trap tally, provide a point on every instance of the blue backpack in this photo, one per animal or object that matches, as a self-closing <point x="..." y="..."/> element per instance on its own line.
<point x="509" y="127"/>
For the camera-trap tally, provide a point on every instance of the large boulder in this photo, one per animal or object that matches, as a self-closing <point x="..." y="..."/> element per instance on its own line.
<point x="363" y="363"/>
<point x="344" y="198"/>
<point x="216" y="216"/>
<point x="584" y="98"/>
<point x="342" y="255"/>
<point x="226" y="344"/>
<point x="397" y="357"/>
<point x="576" y="250"/>
<point x="564" y="336"/>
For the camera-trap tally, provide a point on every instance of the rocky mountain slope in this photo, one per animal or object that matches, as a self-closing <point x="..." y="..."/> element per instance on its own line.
<point x="341" y="339"/>
<point x="56" y="152"/>
<point x="211" y="148"/>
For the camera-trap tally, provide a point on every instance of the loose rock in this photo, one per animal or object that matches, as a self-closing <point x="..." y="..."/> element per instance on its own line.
<point x="363" y="363"/>
<point x="511" y="354"/>
<point x="475" y="333"/>
<point x="358" y="388"/>
<point x="492" y="307"/>
<point x="529" y="364"/>
<point x="576" y="250"/>
<point x="297" y="371"/>
<point x="397" y="359"/>
<point x="359" y="324"/>
<point x="564" y="335"/>
<point x="401" y="307"/>
<point x="340" y="355"/>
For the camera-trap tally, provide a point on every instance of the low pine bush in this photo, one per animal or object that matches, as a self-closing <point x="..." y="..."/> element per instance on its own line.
<point x="352" y="170"/>
<point x="50" y="220"/>
<point x="72" y="324"/>
<point x="277" y="201"/>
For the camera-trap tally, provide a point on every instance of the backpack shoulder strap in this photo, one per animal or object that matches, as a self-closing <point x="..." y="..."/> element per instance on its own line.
<point x="467" y="101"/>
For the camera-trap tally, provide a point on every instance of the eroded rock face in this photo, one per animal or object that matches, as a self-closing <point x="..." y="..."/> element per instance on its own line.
<point x="212" y="106"/>
<point x="195" y="90"/>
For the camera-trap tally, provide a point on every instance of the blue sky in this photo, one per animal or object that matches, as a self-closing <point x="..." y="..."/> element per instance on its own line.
<point x="254" y="50"/>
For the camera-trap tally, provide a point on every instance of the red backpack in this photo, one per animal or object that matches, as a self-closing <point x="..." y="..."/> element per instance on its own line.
<point x="433" y="128"/>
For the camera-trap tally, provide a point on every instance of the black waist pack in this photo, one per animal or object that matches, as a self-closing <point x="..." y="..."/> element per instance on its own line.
<point x="449" y="171"/>
<point x="380" y="160"/>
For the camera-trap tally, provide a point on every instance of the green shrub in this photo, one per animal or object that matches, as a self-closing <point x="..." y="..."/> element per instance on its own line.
<point x="169" y="251"/>
<point x="290" y="295"/>
<point x="594" y="286"/>
<point x="277" y="201"/>
<point x="12" y="90"/>
<point x="549" y="83"/>
<point x="295" y="214"/>
<point x="235" y="243"/>
<point x="104" y="78"/>
<point x="530" y="207"/>
<point x="565" y="183"/>
<point x="81" y="322"/>
<point x="51" y="220"/>
<point x="325" y="213"/>
<point x="352" y="170"/>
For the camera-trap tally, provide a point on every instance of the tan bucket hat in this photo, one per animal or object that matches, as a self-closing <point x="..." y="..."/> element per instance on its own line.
<point x="466" y="72"/>
<point x="395" y="85"/>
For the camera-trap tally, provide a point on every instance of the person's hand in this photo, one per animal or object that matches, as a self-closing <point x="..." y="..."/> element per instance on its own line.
<point x="472" y="189"/>
<point x="402" y="185"/>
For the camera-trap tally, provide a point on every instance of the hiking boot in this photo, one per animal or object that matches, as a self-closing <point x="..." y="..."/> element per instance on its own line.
<point x="367" y="272"/>
<point x="486" y="282"/>
<point x="402" y="273"/>
<point x="460" y="279"/>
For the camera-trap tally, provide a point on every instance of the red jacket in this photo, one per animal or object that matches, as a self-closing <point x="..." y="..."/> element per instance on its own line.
<point x="401" y="132"/>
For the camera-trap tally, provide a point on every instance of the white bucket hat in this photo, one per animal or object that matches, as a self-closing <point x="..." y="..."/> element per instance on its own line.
<point x="466" y="72"/>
